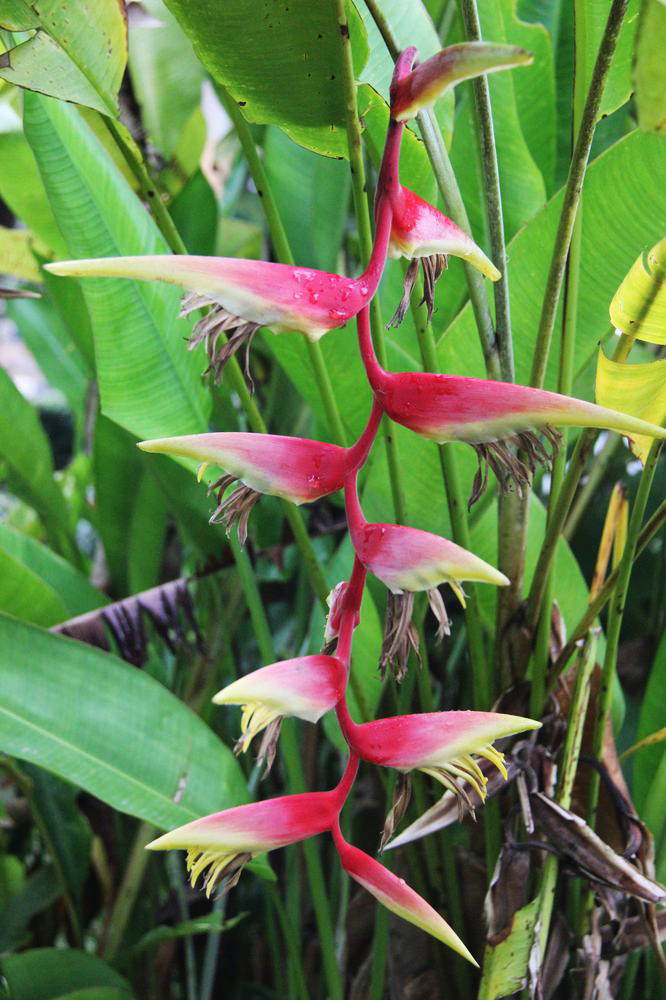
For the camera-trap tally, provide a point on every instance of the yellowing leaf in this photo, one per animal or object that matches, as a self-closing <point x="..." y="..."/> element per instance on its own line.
<point x="16" y="257"/>
<point x="638" y="307"/>
<point x="636" y="389"/>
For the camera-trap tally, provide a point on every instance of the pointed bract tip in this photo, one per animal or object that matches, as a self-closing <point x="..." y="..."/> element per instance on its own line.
<point x="421" y="88"/>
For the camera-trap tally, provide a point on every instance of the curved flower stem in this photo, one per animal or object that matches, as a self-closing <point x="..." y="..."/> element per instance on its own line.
<point x="615" y="615"/>
<point x="573" y="190"/>
<point x="365" y="238"/>
<point x="448" y="186"/>
<point x="493" y="194"/>
<point x="284" y="256"/>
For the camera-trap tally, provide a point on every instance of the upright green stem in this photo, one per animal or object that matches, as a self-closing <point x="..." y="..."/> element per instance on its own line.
<point x="615" y="615"/>
<point x="571" y="752"/>
<point x="128" y="890"/>
<point x="294" y="767"/>
<point x="362" y="212"/>
<point x="284" y="255"/>
<point x="564" y="385"/>
<point x="588" y="491"/>
<point x="652" y="526"/>
<point x="448" y="186"/>
<point x="493" y="195"/>
<point x="574" y="189"/>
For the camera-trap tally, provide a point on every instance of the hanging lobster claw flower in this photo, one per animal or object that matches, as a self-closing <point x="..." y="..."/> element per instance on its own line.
<point x="409" y="560"/>
<point x="430" y="79"/>
<point x="245" y="294"/>
<point x="296" y="469"/>
<point x="441" y="744"/>
<point x="393" y="893"/>
<point x="306" y="687"/>
<point x="422" y="233"/>
<point x="488" y="415"/>
<point x="224" y="842"/>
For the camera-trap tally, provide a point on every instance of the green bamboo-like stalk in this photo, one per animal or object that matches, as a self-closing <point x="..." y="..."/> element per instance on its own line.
<point x="570" y="755"/>
<point x="650" y="529"/>
<point x="294" y="767"/>
<point x="448" y="186"/>
<point x="493" y="196"/>
<point x="362" y="212"/>
<point x="574" y="189"/>
<point x="233" y="369"/>
<point x="284" y="255"/>
<point x="615" y="616"/>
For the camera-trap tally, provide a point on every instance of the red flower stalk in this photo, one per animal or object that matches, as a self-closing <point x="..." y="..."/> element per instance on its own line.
<point x="486" y="414"/>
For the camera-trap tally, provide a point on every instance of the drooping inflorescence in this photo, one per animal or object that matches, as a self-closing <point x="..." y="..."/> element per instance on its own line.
<point x="245" y="295"/>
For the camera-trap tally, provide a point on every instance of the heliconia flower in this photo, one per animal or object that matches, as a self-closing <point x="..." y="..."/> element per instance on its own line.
<point x="393" y="893"/>
<point x="487" y="414"/>
<point x="410" y="560"/>
<point x="295" y="469"/>
<point x="430" y="79"/>
<point x="419" y="231"/>
<point x="441" y="744"/>
<point x="305" y="687"/>
<point x="224" y="842"/>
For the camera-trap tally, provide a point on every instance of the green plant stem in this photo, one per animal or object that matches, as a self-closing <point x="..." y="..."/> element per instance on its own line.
<point x="290" y="941"/>
<point x="294" y="767"/>
<point x="652" y="526"/>
<point x="493" y="196"/>
<point x="615" y="616"/>
<point x="234" y="372"/>
<point x="588" y="491"/>
<point x="573" y="190"/>
<point x="564" y="385"/>
<point x="448" y="186"/>
<point x="147" y="185"/>
<point x="128" y="890"/>
<point x="457" y="515"/>
<point x="362" y="212"/>
<point x="570" y="754"/>
<point x="284" y="255"/>
<point x="178" y="888"/>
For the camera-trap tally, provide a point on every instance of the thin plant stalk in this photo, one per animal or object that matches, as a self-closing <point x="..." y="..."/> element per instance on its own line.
<point x="457" y="514"/>
<point x="615" y="616"/>
<point x="570" y="755"/>
<point x="284" y="255"/>
<point x="564" y="385"/>
<point x="574" y="189"/>
<point x="128" y="890"/>
<point x="294" y="768"/>
<point x="448" y="186"/>
<point x="588" y="491"/>
<point x="362" y="212"/>
<point x="653" y="525"/>
<point x="493" y="196"/>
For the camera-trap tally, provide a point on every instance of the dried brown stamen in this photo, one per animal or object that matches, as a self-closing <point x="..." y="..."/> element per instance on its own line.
<point x="268" y="745"/>
<point x="402" y="793"/>
<point x="408" y="284"/>
<point x="223" y="333"/>
<point x="237" y="506"/>
<point x="231" y="873"/>
<point x="432" y="269"/>
<point x="400" y="636"/>
<point x="509" y="467"/>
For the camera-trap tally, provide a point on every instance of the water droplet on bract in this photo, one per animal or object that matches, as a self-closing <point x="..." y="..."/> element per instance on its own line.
<point x="345" y="294"/>
<point x="364" y="289"/>
<point x="313" y="480"/>
<point x="298" y="295"/>
<point x="402" y="881"/>
<point x="337" y="314"/>
<point x="314" y="297"/>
